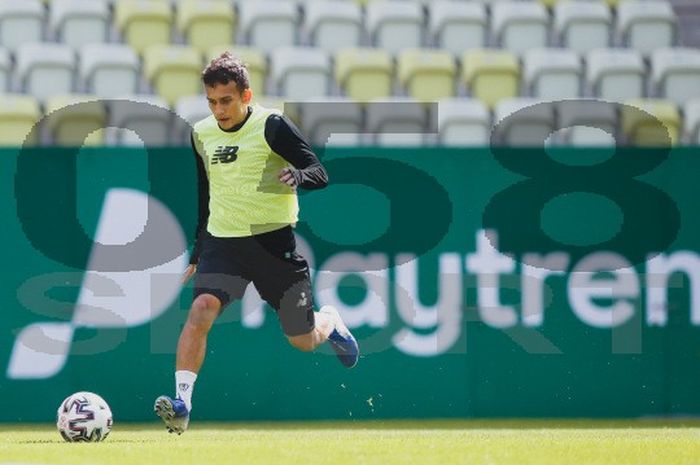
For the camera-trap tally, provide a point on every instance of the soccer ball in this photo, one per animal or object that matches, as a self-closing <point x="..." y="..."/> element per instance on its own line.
<point x="84" y="417"/>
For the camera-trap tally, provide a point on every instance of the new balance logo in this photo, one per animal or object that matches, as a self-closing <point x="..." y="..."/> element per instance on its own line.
<point x="224" y="154"/>
<point x="183" y="387"/>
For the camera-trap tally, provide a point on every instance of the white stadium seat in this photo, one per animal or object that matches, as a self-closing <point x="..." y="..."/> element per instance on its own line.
<point x="676" y="73"/>
<point x="300" y="72"/>
<point x="395" y="24"/>
<point x="692" y="122"/>
<point x="523" y="122"/>
<point x="333" y="25"/>
<point x="268" y="24"/>
<point x="645" y="25"/>
<point x="587" y="123"/>
<point x="77" y="22"/>
<point x="153" y="123"/>
<point x="108" y="70"/>
<point x="46" y="69"/>
<point x="5" y="70"/>
<point x="191" y="108"/>
<point x="20" y="22"/>
<point x="552" y="73"/>
<point x="615" y="74"/>
<point x="463" y="122"/>
<point x="398" y="122"/>
<point x="582" y="26"/>
<point x="519" y="26"/>
<point x="457" y="26"/>
<point x="331" y="121"/>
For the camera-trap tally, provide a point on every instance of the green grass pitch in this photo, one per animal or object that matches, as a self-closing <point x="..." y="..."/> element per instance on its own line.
<point x="473" y="442"/>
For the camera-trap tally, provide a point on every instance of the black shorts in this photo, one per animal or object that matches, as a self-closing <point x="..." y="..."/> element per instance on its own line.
<point x="270" y="261"/>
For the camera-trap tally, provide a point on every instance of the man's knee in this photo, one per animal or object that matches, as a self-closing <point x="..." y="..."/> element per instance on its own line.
<point x="305" y="342"/>
<point x="205" y="309"/>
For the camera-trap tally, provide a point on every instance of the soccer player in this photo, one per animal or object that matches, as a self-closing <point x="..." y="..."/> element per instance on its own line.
<point x="250" y="161"/>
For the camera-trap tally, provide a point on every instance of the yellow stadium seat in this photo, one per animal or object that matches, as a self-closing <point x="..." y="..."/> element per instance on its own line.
<point x="206" y="23"/>
<point x="364" y="73"/>
<point x="427" y="74"/>
<point x="18" y="115"/>
<point x="552" y="3"/>
<point x="253" y="58"/>
<point x="657" y="124"/>
<point x="144" y="22"/>
<point x="491" y="75"/>
<point x="173" y="70"/>
<point x="76" y="120"/>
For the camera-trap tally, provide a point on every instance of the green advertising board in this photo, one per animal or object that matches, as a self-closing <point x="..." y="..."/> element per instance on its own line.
<point x="480" y="283"/>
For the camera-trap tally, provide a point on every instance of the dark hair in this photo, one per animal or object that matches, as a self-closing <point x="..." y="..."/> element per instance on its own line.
<point x="224" y="69"/>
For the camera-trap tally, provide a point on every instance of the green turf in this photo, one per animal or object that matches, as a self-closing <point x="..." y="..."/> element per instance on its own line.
<point x="517" y="442"/>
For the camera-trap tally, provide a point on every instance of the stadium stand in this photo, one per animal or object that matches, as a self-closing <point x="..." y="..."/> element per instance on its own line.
<point x="615" y="74"/>
<point x="657" y="124"/>
<point x="153" y="126"/>
<point x="18" y="115"/>
<point x="205" y="23"/>
<point x="21" y="22"/>
<point x="364" y="73"/>
<point x="587" y="123"/>
<point x="427" y="74"/>
<point x="268" y="24"/>
<point x="469" y="55"/>
<point x="332" y="121"/>
<point x="78" y="22"/>
<point x="457" y="26"/>
<point x="332" y="25"/>
<point x="75" y="120"/>
<point x="397" y="122"/>
<point x="529" y="124"/>
<point x="692" y="122"/>
<point x="109" y="70"/>
<point x="45" y="69"/>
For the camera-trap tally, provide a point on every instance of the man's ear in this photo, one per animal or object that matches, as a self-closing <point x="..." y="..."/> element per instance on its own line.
<point x="247" y="95"/>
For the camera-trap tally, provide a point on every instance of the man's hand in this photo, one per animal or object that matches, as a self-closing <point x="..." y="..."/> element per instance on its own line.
<point x="287" y="177"/>
<point x="189" y="271"/>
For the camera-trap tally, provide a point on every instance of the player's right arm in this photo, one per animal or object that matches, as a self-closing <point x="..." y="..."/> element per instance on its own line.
<point x="203" y="208"/>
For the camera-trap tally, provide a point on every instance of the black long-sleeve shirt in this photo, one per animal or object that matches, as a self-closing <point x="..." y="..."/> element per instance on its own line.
<point x="285" y="139"/>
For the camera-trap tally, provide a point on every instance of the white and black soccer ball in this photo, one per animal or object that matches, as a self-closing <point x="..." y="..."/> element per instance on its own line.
<point x="84" y="417"/>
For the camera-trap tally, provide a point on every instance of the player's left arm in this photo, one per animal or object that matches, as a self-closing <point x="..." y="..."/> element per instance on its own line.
<point x="286" y="140"/>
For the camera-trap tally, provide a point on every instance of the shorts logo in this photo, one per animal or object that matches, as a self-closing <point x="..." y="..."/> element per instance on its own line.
<point x="224" y="154"/>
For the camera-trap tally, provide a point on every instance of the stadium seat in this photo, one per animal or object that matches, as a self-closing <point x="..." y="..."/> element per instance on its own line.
<point x="657" y="124"/>
<point x="676" y="73"/>
<point x="394" y="25"/>
<point x="19" y="113"/>
<point x="191" y="108"/>
<point x="76" y="120"/>
<point x="692" y="122"/>
<point x="268" y="24"/>
<point x="173" y="70"/>
<point x="144" y="22"/>
<point x="519" y="26"/>
<point x="645" y="25"/>
<point x="300" y="72"/>
<point x="523" y="122"/>
<point x="398" y="122"/>
<point x="552" y="73"/>
<point x="364" y="73"/>
<point x="253" y="58"/>
<point x="331" y="121"/>
<point x="206" y="23"/>
<point x="78" y="22"/>
<point x="427" y="74"/>
<point x="582" y="26"/>
<point x="463" y="122"/>
<point x="333" y="25"/>
<point x="615" y="74"/>
<point x="108" y="70"/>
<point x="21" y="22"/>
<point x="491" y="75"/>
<point x="45" y="69"/>
<point x="588" y="122"/>
<point x="458" y="26"/>
<point x="153" y="125"/>
<point x="5" y="70"/>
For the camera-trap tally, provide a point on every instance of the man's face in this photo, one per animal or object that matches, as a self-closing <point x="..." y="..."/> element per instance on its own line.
<point x="227" y="104"/>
